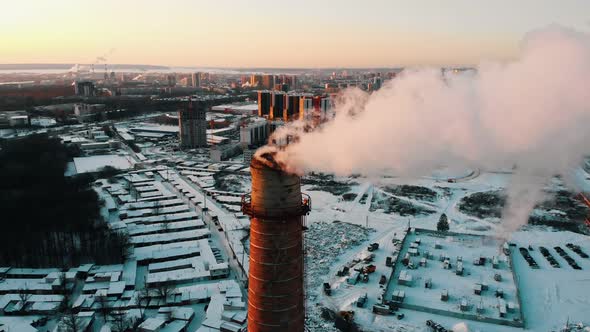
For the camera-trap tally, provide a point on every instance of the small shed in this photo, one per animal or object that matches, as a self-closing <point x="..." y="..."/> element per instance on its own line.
<point x="477" y="289"/>
<point x="428" y="283"/>
<point x="495" y="262"/>
<point x="511" y="306"/>
<point x="398" y="295"/>
<point x="480" y="309"/>
<point x="502" y="309"/>
<point x="444" y="295"/>
<point x="459" y="269"/>
<point x="446" y="264"/>
<point x="423" y="262"/>
<point x="464" y="306"/>
<point x="437" y="245"/>
<point x="405" y="278"/>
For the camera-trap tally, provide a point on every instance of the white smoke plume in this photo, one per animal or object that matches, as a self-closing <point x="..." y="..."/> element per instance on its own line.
<point x="532" y="112"/>
<point x="460" y="327"/>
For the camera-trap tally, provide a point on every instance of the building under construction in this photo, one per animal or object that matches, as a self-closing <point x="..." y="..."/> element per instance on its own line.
<point x="192" y="123"/>
<point x="277" y="209"/>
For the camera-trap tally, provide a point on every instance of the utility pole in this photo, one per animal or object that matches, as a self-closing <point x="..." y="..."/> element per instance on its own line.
<point x="203" y="210"/>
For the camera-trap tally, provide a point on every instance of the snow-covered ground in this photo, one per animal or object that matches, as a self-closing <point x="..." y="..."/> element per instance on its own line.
<point x="95" y="163"/>
<point x="548" y="298"/>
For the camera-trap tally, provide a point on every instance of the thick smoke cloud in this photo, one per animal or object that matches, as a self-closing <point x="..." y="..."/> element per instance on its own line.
<point x="532" y="112"/>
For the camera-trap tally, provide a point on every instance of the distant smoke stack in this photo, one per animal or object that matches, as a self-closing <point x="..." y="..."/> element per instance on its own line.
<point x="275" y="282"/>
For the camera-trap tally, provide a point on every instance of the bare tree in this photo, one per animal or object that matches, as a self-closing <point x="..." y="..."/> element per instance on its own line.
<point x="164" y="290"/>
<point x="120" y="321"/>
<point x="157" y="207"/>
<point x="70" y="322"/>
<point x="134" y="194"/>
<point x="65" y="292"/>
<point x="103" y="306"/>
<point x="143" y="300"/>
<point x="24" y="295"/>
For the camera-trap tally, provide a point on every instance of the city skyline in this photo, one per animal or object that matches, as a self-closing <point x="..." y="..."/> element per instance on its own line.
<point x="262" y="34"/>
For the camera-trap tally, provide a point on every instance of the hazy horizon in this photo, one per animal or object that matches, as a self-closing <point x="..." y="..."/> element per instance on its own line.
<point x="265" y="34"/>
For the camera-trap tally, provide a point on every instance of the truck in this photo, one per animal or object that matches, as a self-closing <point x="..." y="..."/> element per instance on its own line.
<point x="373" y="247"/>
<point x="369" y="269"/>
<point x="365" y="277"/>
<point x="353" y="278"/>
<point x="362" y="301"/>
<point x="388" y="261"/>
<point x="342" y="272"/>
<point x="369" y="258"/>
<point x="435" y="327"/>
<point x="381" y="309"/>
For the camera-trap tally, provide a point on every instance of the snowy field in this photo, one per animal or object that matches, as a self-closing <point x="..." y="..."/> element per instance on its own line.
<point x="95" y="163"/>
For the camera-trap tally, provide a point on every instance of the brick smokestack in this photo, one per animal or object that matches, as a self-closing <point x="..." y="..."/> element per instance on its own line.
<point x="275" y="282"/>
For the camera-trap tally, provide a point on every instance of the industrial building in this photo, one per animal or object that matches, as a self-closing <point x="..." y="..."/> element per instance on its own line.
<point x="88" y="112"/>
<point x="84" y="88"/>
<point x="277" y="210"/>
<point x="222" y="152"/>
<point x="255" y="132"/>
<point x="192" y="123"/>
<point x="14" y="119"/>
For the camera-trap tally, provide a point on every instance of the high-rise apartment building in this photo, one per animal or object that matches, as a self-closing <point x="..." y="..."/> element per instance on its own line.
<point x="264" y="102"/>
<point x="305" y="107"/>
<point x="277" y="105"/>
<point x="171" y="80"/>
<point x="192" y="122"/>
<point x="292" y="107"/>
<point x="196" y="80"/>
<point x="268" y="81"/>
<point x="255" y="80"/>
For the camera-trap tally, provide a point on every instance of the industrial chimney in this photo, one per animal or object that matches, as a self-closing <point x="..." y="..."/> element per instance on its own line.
<point x="275" y="282"/>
